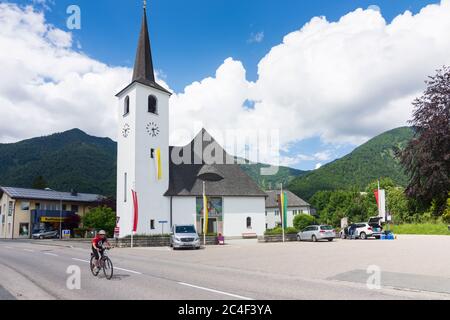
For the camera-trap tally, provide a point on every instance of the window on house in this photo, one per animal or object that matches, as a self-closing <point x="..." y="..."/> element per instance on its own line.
<point x="125" y="187"/>
<point x="25" y="206"/>
<point x="249" y="223"/>
<point x="277" y="212"/>
<point x="64" y="207"/>
<point x="152" y="224"/>
<point x="10" y="208"/>
<point x="74" y="208"/>
<point x="152" y="153"/>
<point x="126" y="106"/>
<point x="152" y="104"/>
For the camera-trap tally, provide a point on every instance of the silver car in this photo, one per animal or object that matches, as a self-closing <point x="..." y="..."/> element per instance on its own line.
<point x="184" y="236"/>
<point x="316" y="233"/>
<point x="45" y="234"/>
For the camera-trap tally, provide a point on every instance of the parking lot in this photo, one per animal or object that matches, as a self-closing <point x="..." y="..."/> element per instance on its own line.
<point x="410" y="267"/>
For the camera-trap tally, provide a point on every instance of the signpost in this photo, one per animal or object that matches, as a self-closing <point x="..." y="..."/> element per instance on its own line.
<point x="163" y="222"/>
<point x="66" y="234"/>
<point x="116" y="232"/>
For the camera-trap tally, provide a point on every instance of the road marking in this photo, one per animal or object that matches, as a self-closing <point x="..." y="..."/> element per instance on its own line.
<point x="8" y="247"/>
<point x="215" y="291"/>
<point x="117" y="268"/>
<point x="51" y="254"/>
<point x="131" y="271"/>
<point x="28" y="250"/>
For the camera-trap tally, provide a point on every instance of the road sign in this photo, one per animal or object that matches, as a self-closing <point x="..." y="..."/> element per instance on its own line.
<point x="66" y="234"/>
<point x="116" y="232"/>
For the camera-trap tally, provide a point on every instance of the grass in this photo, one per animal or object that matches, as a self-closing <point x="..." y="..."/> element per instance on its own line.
<point x="421" y="228"/>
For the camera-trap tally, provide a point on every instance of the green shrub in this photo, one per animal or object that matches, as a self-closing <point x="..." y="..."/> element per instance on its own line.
<point x="278" y="231"/>
<point x="301" y="221"/>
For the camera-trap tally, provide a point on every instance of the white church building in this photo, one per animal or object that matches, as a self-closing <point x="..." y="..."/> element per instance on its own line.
<point x="168" y="181"/>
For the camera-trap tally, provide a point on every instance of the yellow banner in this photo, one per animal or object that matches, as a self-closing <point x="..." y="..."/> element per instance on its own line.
<point x="158" y="164"/>
<point x="52" y="219"/>
<point x="206" y="212"/>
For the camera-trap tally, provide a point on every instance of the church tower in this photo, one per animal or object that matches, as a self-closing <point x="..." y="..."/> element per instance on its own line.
<point x="143" y="146"/>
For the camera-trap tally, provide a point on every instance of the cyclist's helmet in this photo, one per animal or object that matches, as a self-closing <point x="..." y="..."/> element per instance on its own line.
<point x="102" y="232"/>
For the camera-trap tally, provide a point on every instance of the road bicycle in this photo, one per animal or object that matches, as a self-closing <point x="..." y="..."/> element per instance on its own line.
<point x="104" y="264"/>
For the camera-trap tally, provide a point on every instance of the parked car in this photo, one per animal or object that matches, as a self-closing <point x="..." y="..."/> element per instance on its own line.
<point x="316" y="233"/>
<point x="364" y="230"/>
<point x="45" y="234"/>
<point x="375" y="223"/>
<point x="184" y="236"/>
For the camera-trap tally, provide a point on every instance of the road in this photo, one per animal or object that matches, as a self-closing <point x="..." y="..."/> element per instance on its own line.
<point x="242" y="271"/>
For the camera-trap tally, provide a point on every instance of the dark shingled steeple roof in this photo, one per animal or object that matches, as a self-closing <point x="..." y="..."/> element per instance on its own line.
<point x="143" y="66"/>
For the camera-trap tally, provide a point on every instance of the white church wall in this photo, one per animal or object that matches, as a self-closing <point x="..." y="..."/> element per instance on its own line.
<point x="237" y="210"/>
<point x="184" y="210"/>
<point x="134" y="158"/>
<point x="273" y="219"/>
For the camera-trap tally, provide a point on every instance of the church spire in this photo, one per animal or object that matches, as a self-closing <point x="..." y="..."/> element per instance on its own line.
<point x="143" y="66"/>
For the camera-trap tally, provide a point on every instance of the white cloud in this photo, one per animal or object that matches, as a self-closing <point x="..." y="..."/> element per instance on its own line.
<point x="256" y="37"/>
<point x="344" y="81"/>
<point x="45" y="86"/>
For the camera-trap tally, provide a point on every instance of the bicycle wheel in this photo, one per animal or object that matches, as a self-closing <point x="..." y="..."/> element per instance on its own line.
<point x="108" y="268"/>
<point x="95" y="271"/>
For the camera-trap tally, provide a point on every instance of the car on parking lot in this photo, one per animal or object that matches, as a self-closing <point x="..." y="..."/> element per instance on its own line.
<point x="184" y="236"/>
<point x="45" y="234"/>
<point x="316" y="233"/>
<point x="364" y="230"/>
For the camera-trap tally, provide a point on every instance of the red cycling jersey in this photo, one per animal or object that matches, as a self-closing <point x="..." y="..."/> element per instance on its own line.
<point x="99" y="241"/>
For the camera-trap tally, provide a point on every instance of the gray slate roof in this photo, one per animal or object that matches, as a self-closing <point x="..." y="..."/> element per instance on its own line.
<point x="293" y="200"/>
<point x="184" y="180"/>
<point x="34" y="194"/>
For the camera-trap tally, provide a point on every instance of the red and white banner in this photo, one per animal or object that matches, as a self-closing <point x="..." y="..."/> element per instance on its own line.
<point x="380" y="196"/>
<point x="135" y="210"/>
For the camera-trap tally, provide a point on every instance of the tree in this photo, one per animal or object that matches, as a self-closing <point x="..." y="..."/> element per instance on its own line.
<point x="100" y="218"/>
<point x="426" y="158"/>
<point x="39" y="183"/>
<point x="301" y="221"/>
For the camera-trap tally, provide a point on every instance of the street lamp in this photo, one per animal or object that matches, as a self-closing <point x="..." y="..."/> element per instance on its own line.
<point x="207" y="173"/>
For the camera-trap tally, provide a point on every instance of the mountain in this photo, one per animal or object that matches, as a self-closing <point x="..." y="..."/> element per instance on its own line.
<point x="372" y="160"/>
<point x="76" y="160"/>
<point x="68" y="160"/>
<point x="267" y="182"/>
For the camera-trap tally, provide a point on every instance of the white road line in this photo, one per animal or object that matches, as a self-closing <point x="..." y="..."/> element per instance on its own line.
<point x="215" y="291"/>
<point x="131" y="271"/>
<point x="8" y="247"/>
<point x="117" y="268"/>
<point x="28" y="250"/>
<point x="51" y="254"/>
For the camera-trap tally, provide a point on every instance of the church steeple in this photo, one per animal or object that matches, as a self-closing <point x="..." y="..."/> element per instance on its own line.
<point x="143" y="72"/>
<point x="143" y="66"/>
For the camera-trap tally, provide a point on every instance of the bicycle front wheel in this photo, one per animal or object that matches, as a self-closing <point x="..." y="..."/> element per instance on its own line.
<point x="94" y="269"/>
<point x="108" y="268"/>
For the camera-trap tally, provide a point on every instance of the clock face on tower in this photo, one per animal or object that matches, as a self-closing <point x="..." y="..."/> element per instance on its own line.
<point x="126" y="130"/>
<point x="152" y="129"/>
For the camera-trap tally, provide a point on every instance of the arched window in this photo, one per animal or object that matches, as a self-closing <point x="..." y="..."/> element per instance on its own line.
<point x="249" y="223"/>
<point x="126" y="106"/>
<point x="152" y="104"/>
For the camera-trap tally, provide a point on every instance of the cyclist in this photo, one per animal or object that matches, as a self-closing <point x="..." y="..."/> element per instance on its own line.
<point x="99" y="244"/>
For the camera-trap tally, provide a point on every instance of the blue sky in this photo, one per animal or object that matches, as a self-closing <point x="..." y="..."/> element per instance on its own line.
<point x="191" y="40"/>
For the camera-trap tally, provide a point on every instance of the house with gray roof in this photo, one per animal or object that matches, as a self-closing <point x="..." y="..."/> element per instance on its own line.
<point x="296" y="206"/>
<point x="236" y="203"/>
<point x="24" y="210"/>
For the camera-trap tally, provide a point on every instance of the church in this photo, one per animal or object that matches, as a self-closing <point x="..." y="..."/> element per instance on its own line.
<point x="158" y="185"/>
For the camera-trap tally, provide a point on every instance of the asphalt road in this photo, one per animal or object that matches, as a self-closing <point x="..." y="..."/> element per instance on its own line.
<point x="242" y="270"/>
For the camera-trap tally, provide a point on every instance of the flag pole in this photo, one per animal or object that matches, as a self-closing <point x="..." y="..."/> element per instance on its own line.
<point x="282" y="212"/>
<point x="204" y="214"/>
